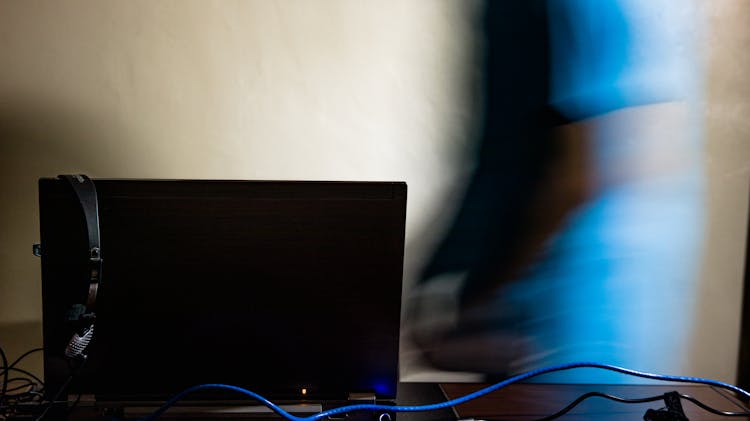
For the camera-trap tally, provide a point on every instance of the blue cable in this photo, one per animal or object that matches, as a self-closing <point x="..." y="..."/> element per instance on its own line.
<point x="418" y="408"/>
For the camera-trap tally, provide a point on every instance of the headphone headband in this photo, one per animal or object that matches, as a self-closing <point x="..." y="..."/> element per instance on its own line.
<point x="86" y="193"/>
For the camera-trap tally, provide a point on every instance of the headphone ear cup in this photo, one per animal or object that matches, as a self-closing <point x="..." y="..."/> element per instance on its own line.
<point x="79" y="342"/>
<point x="80" y="326"/>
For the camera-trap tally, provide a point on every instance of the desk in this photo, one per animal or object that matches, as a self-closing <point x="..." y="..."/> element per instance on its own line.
<point x="521" y="402"/>
<point x="534" y="401"/>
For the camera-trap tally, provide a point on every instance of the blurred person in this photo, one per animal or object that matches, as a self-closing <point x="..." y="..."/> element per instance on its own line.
<point x="579" y="234"/>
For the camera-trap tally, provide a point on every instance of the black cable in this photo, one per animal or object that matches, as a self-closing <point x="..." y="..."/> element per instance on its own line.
<point x="14" y="400"/>
<point x="28" y="383"/>
<point x="27" y="373"/>
<point x="25" y="396"/>
<point x="713" y="410"/>
<point x="75" y="403"/>
<point x="74" y="371"/>
<point x="24" y="355"/>
<point x="640" y="400"/>
<point x="5" y="375"/>
<point x="600" y="395"/>
<point x="7" y="368"/>
<point x="54" y="399"/>
<point x="34" y="394"/>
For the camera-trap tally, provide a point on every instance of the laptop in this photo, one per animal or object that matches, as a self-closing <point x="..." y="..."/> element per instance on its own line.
<point x="291" y="289"/>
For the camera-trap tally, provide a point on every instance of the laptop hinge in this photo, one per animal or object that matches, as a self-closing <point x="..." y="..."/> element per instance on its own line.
<point x="365" y="398"/>
<point x="82" y="399"/>
<point x="359" y="397"/>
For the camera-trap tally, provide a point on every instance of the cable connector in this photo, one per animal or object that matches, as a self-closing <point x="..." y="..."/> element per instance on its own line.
<point x="673" y="411"/>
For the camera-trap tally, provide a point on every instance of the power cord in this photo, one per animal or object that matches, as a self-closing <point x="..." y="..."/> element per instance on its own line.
<point x="27" y="383"/>
<point x="12" y="366"/>
<point x="585" y="396"/>
<point x="453" y="402"/>
<point x="24" y="355"/>
<point x="37" y="380"/>
<point x="74" y="371"/>
<point x="5" y="376"/>
<point x="10" y="402"/>
<point x="661" y="397"/>
<point x="705" y="407"/>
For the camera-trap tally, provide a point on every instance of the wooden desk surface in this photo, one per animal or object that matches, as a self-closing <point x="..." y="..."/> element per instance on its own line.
<point x="534" y="401"/>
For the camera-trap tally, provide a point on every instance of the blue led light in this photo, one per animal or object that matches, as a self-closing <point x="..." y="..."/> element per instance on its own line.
<point x="382" y="387"/>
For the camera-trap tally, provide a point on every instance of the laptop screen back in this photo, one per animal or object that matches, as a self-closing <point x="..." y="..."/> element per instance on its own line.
<point x="272" y="286"/>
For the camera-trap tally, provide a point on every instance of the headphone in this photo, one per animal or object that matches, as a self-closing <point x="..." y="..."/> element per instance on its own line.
<point x="85" y="314"/>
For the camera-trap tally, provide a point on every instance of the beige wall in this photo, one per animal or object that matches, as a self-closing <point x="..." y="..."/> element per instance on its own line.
<point x="246" y="90"/>
<point x="334" y="90"/>
<point x="728" y="187"/>
<point x="295" y="90"/>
